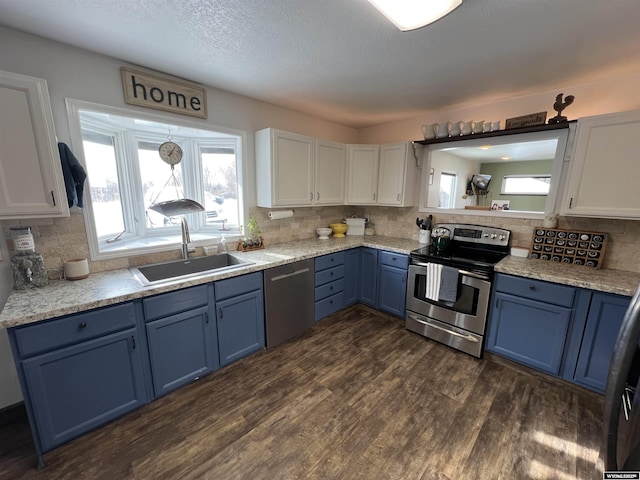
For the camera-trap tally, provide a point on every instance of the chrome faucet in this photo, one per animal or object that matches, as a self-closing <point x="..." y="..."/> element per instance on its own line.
<point x="186" y="246"/>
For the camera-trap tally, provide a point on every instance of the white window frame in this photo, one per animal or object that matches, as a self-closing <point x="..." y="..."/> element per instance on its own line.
<point x="542" y="175"/>
<point x="138" y="239"/>
<point x="452" y="199"/>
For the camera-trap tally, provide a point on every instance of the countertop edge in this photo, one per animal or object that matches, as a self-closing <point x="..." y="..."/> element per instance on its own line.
<point x="102" y="289"/>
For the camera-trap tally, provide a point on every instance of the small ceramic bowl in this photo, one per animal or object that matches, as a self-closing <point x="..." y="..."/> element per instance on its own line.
<point x="323" y="233"/>
<point x="339" y="229"/>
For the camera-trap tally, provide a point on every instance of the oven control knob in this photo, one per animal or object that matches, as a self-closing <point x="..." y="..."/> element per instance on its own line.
<point x="494" y="236"/>
<point x="486" y="235"/>
<point x="502" y="237"/>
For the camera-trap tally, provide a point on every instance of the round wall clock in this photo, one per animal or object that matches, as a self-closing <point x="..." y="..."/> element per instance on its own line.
<point x="170" y="152"/>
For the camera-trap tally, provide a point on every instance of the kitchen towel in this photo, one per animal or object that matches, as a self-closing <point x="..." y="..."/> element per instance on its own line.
<point x="449" y="284"/>
<point x="434" y="274"/>
<point x="74" y="175"/>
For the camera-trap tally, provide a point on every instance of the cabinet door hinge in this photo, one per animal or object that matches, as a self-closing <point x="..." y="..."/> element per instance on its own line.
<point x="53" y="198"/>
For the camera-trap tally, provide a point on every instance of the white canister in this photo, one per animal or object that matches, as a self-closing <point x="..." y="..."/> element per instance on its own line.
<point x="550" y="220"/>
<point x="76" y="269"/>
<point x="424" y="237"/>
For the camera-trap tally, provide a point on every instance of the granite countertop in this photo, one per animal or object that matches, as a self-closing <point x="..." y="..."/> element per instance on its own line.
<point x="605" y="280"/>
<point x="62" y="297"/>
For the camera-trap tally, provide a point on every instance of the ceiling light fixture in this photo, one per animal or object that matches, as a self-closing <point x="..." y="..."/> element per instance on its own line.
<point x="412" y="14"/>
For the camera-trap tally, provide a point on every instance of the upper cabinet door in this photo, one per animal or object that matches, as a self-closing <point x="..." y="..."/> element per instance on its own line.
<point x="398" y="175"/>
<point x="331" y="161"/>
<point x="604" y="170"/>
<point x="31" y="181"/>
<point x="362" y="174"/>
<point x="284" y="169"/>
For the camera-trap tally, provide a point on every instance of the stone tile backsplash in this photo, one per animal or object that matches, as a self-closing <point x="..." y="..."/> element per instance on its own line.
<point x="61" y="239"/>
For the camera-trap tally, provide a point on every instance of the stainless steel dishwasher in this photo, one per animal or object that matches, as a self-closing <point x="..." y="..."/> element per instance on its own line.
<point x="289" y="297"/>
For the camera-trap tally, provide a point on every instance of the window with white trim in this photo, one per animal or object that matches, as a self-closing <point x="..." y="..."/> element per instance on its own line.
<point x="525" y="185"/>
<point x="447" y="196"/>
<point x="125" y="176"/>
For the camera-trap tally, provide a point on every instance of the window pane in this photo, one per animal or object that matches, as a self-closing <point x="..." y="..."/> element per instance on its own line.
<point x="158" y="184"/>
<point x="219" y="177"/>
<point x="100" y="156"/>
<point x="447" y="190"/>
<point x="534" y="185"/>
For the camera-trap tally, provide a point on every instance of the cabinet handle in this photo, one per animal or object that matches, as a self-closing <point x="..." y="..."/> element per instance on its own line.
<point x="206" y="317"/>
<point x="82" y="325"/>
<point x="374" y="197"/>
<point x="53" y="198"/>
<point x="532" y="287"/>
<point x="398" y="197"/>
<point x="497" y="303"/>
<point x="318" y="196"/>
<point x="331" y="288"/>
<point x="221" y="315"/>
<point x="570" y="202"/>
<point x="133" y="342"/>
<point x="311" y="196"/>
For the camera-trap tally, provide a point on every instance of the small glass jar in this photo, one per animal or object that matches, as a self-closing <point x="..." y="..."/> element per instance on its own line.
<point x="23" y="242"/>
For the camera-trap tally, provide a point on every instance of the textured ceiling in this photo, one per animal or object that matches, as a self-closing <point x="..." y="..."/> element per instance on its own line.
<point x="341" y="59"/>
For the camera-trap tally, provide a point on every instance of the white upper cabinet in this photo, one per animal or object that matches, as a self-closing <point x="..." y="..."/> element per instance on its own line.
<point x="284" y="169"/>
<point x="604" y="169"/>
<point x="330" y="171"/>
<point x="362" y="174"/>
<point x="31" y="181"/>
<point x="381" y="174"/>
<point x="398" y="175"/>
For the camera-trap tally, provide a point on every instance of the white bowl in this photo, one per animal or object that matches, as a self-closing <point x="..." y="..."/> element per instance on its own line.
<point x="323" y="233"/>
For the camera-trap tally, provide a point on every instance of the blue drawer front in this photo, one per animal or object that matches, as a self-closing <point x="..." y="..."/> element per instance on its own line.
<point x="174" y="302"/>
<point x="238" y="285"/>
<point x="60" y="332"/>
<point x="329" y="305"/>
<point x="329" y="289"/>
<point x="536" y="290"/>
<point x="328" y="261"/>
<point x="397" y="260"/>
<point x="329" y="275"/>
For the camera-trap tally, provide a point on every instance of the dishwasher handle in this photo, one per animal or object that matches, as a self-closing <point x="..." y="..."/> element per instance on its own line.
<point x="287" y="275"/>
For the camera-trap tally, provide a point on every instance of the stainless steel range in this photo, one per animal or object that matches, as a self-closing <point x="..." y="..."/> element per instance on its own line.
<point x="448" y="288"/>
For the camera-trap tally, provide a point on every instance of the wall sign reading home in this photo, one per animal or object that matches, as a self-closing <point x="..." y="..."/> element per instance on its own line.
<point x="163" y="93"/>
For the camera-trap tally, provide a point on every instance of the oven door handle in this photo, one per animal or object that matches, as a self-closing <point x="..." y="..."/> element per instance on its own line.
<point x="461" y="272"/>
<point x="469" y="338"/>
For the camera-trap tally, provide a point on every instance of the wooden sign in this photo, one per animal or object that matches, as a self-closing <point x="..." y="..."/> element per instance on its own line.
<point x="526" y="120"/>
<point x="163" y="93"/>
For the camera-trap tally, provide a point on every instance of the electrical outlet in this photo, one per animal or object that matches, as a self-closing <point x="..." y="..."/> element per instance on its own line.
<point x="366" y="218"/>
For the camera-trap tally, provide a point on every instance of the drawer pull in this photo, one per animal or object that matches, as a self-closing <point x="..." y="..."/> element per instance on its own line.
<point x="331" y="287"/>
<point x="532" y="287"/>
<point x="82" y="325"/>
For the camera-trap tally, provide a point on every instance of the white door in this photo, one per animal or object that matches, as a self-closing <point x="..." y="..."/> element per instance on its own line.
<point x="31" y="182"/>
<point x="604" y="173"/>
<point x="362" y="174"/>
<point x="392" y="173"/>
<point x="331" y="160"/>
<point x="292" y="166"/>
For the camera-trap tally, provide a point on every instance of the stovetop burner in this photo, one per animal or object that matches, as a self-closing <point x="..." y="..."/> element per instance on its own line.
<point x="472" y="247"/>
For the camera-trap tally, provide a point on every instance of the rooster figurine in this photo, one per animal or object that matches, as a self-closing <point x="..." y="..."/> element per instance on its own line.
<point x="559" y="106"/>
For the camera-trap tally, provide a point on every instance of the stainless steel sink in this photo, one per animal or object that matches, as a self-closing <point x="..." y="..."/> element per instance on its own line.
<point x="180" y="269"/>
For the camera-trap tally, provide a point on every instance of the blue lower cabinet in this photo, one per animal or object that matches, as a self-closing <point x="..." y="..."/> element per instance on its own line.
<point x="351" y="278"/>
<point x="330" y="281"/>
<point x="181" y="349"/>
<point x="368" y="288"/>
<point x="601" y="330"/>
<point x="240" y="326"/>
<point x="75" y="389"/>
<point x="528" y="331"/>
<point x="392" y="290"/>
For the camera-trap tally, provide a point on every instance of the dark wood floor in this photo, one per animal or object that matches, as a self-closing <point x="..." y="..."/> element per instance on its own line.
<point x="359" y="397"/>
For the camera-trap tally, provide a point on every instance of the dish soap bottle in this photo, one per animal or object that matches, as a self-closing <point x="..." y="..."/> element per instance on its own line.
<point x="223" y="245"/>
